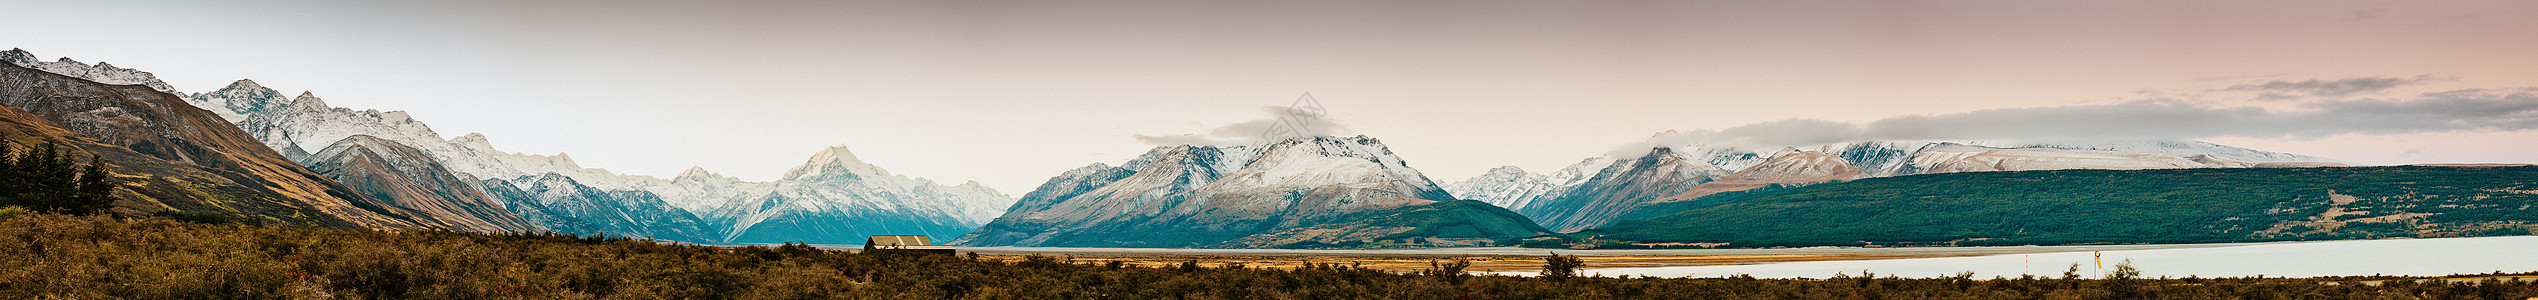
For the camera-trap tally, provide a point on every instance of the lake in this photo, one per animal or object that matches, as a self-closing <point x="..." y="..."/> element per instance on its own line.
<point x="2412" y="257"/>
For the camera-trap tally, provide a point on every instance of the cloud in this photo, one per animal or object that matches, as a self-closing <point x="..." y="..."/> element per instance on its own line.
<point x="1305" y="123"/>
<point x="2281" y="90"/>
<point x="2450" y="111"/>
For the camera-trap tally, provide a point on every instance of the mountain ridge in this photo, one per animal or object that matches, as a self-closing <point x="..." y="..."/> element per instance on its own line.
<point x="184" y="158"/>
<point x="1289" y="192"/>
<point x="1551" y="198"/>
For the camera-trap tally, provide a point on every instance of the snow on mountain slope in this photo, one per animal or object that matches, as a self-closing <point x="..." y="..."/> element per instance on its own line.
<point x="178" y="157"/>
<point x="1873" y="158"/>
<point x="697" y="183"/>
<point x="828" y="197"/>
<point x="239" y="99"/>
<point x="1952" y="157"/>
<point x="295" y="125"/>
<point x="1619" y="186"/>
<point x="1790" y="166"/>
<point x="1522" y="191"/>
<point x="2188" y="149"/>
<point x="407" y="178"/>
<point x="1502" y="186"/>
<point x="100" y="73"/>
<point x="1896" y="158"/>
<point x="307" y="119"/>
<point x="1354" y="162"/>
<point x="1250" y="196"/>
<point x="560" y="203"/>
<point x="306" y="122"/>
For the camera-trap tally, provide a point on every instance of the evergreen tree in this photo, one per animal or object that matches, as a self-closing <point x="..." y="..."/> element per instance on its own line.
<point x="44" y="178"/>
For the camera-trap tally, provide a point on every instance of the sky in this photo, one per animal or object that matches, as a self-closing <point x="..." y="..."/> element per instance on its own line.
<point x="1011" y="93"/>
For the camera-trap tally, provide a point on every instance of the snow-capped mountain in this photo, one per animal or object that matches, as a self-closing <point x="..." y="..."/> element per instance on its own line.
<point x="562" y="204"/>
<point x="554" y="191"/>
<point x="100" y="73"/>
<point x="176" y="157"/>
<point x="300" y="122"/>
<point x="835" y="198"/>
<point x="405" y="177"/>
<point x="1618" y="186"/>
<point x="297" y="124"/>
<point x="1789" y="167"/>
<point x="1504" y="185"/>
<point x="239" y="99"/>
<point x="1529" y="193"/>
<point x="1523" y="188"/>
<point x="1291" y="192"/>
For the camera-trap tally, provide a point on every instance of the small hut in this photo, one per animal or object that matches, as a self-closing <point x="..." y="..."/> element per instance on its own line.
<point x="917" y="243"/>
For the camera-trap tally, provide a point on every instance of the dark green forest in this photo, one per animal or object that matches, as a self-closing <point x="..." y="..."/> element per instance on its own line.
<point x="2103" y="206"/>
<point x="60" y="256"/>
<point x="45" y="178"/>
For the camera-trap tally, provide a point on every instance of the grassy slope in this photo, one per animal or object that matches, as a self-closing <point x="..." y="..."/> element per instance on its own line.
<point x="2109" y="206"/>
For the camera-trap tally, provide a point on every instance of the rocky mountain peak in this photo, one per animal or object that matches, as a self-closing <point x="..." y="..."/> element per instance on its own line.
<point x="699" y="174"/>
<point x="473" y="140"/>
<point x="695" y="171"/>
<point x="1506" y="171"/>
<point x="1801" y="166"/>
<point x="834" y="163"/>
<point x="17" y="56"/>
<point x="100" y="73"/>
<point x="309" y="100"/>
<point x="244" y="85"/>
<point x="1506" y="186"/>
<point x="1785" y="151"/>
<point x="837" y="153"/>
<point x="240" y="98"/>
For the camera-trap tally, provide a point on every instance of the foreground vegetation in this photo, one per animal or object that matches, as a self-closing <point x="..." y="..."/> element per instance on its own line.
<point x="2100" y="206"/>
<point x="58" y="256"/>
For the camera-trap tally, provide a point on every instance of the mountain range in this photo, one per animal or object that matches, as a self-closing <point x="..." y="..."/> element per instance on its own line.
<point x="1301" y="192"/>
<point x="172" y="156"/>
<point x="402" y="162"/>
<point x="1599" y="190"/>
<point x="249" y="152"/>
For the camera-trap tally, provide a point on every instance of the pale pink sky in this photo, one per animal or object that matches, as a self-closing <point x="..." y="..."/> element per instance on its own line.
<point x="1010" y="93"/>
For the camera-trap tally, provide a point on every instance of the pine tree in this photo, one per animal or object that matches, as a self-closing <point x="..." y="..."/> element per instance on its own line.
<point x="45" y="178"/>
<point x="96" y="191"/>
